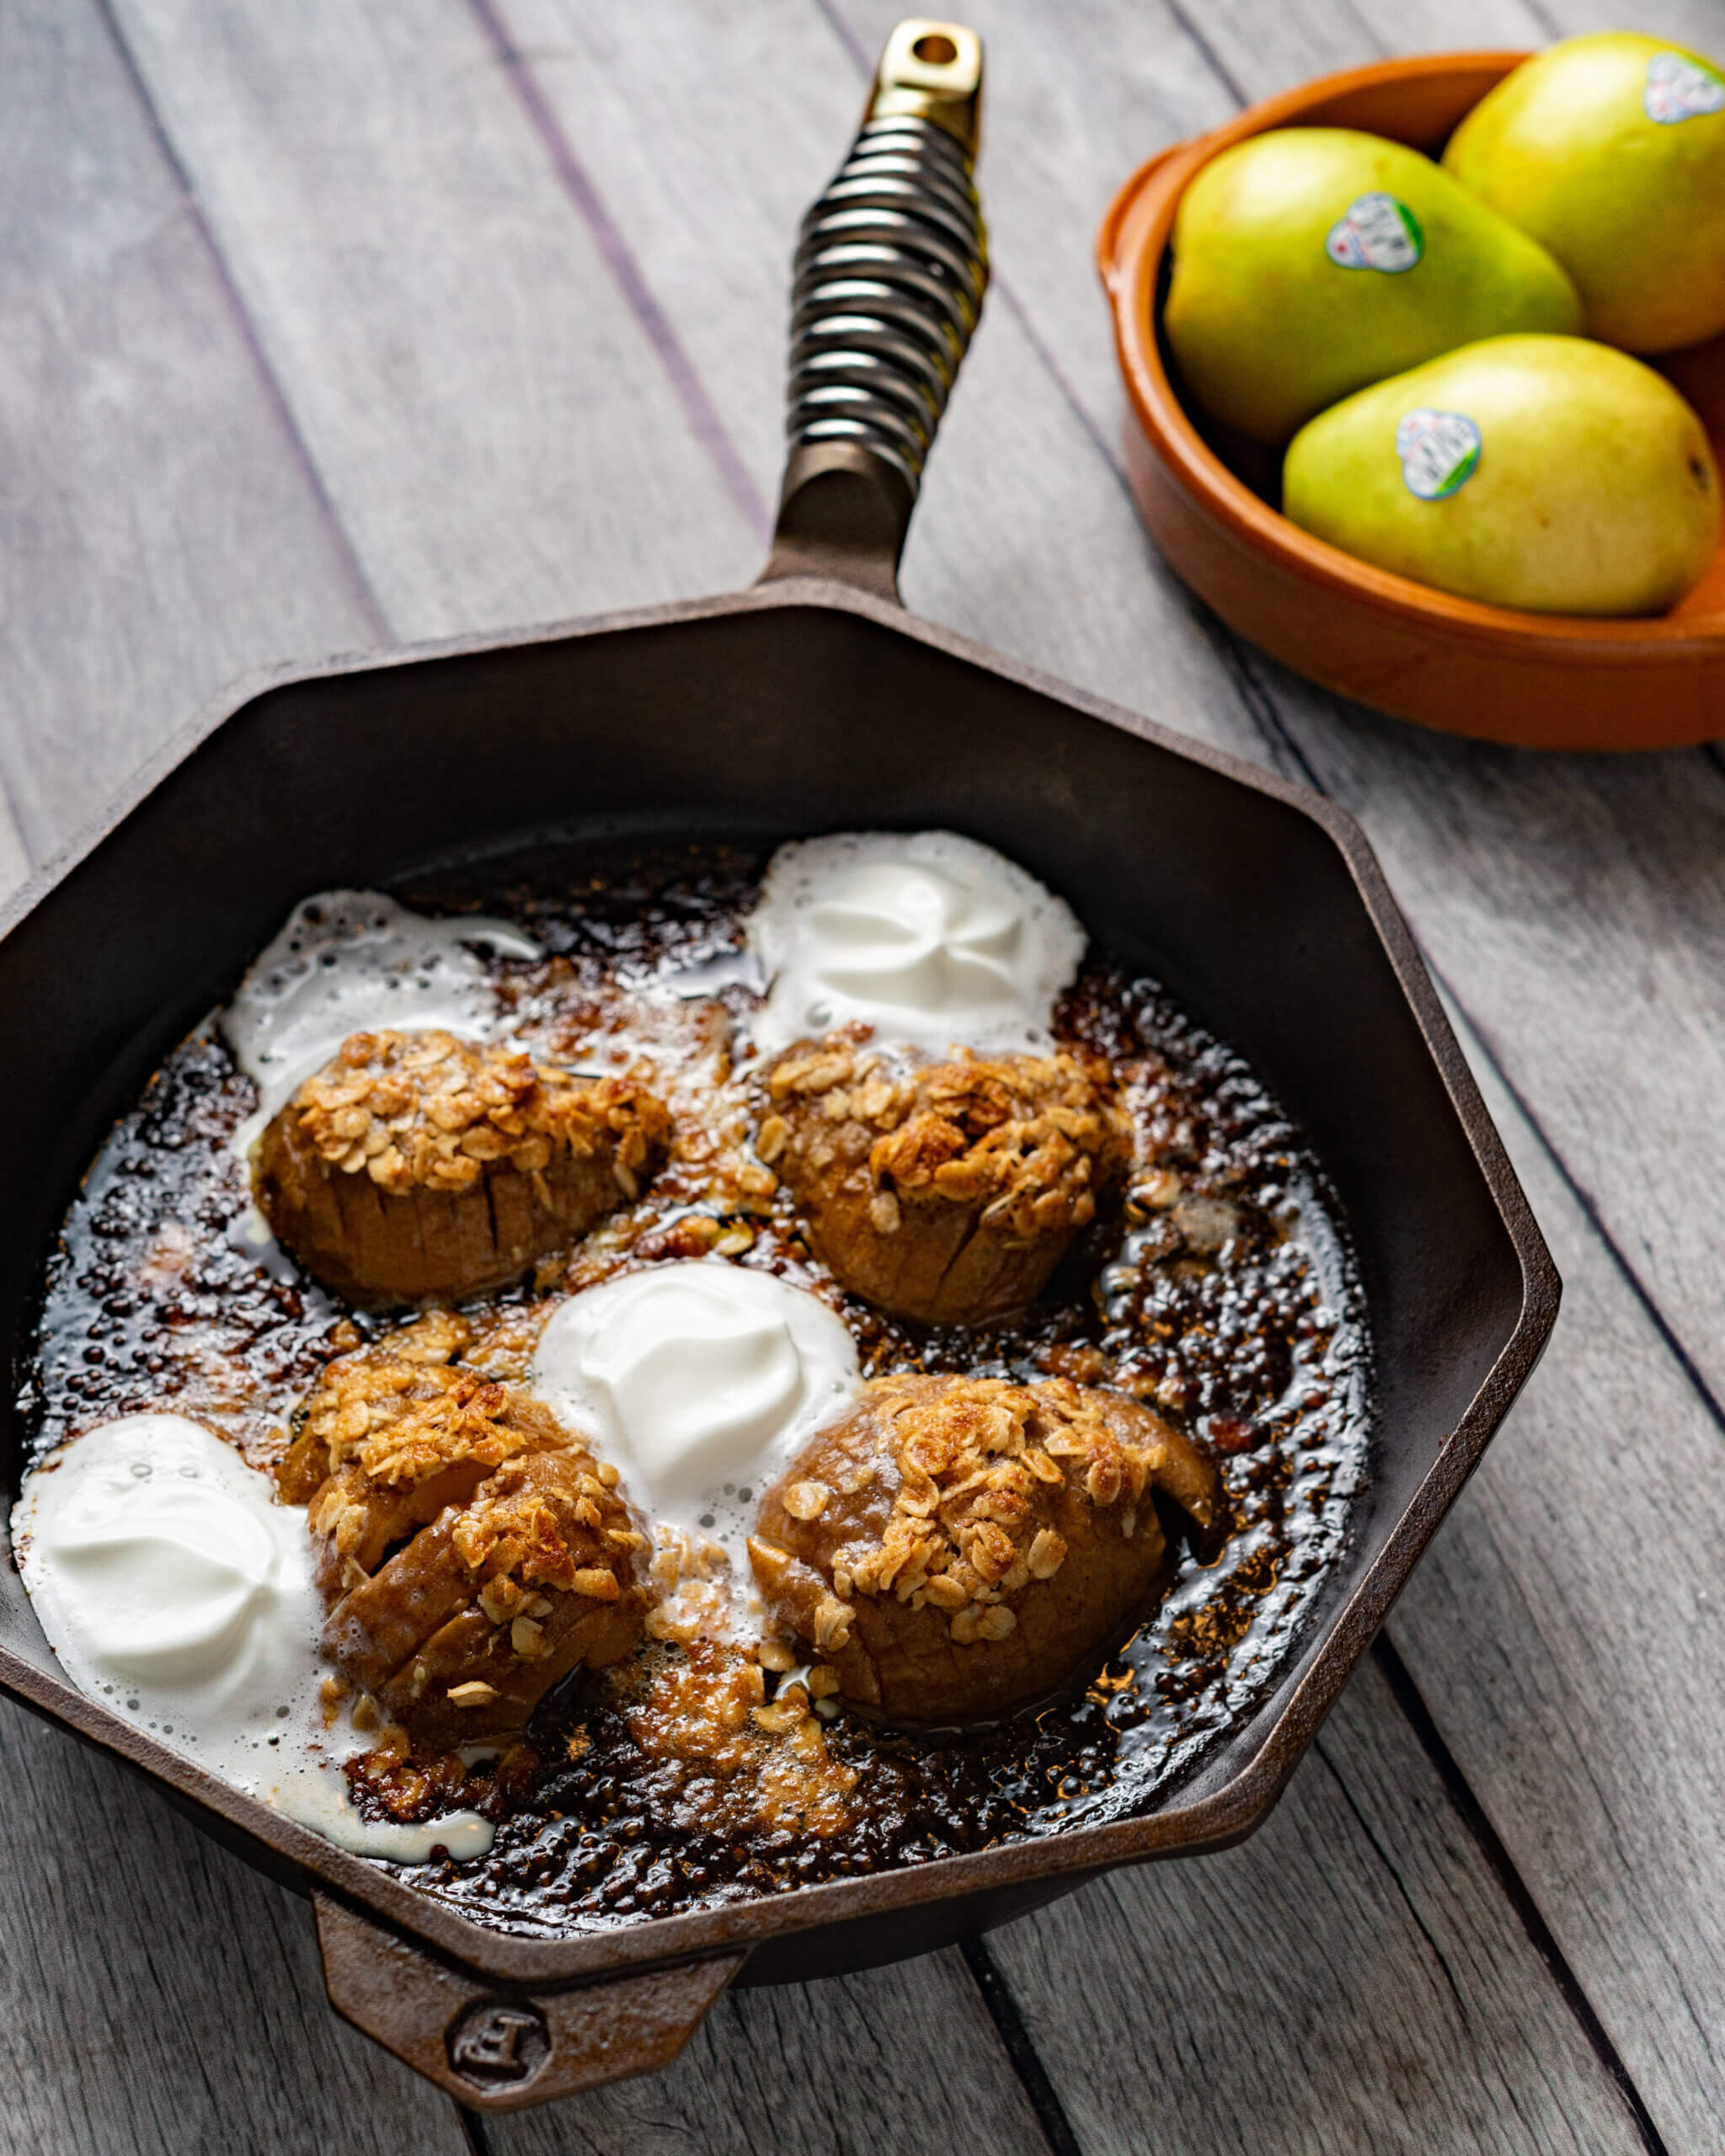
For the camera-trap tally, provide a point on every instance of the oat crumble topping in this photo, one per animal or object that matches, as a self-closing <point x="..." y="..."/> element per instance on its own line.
<point x="1029" y="1139"/>
<point x="427" y="1111"/>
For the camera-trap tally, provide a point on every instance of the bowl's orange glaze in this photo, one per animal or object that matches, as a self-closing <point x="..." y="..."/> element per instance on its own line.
<point x="1544" y="680"/>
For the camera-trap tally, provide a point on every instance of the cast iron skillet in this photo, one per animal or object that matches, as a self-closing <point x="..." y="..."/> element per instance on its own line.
<point x="811" y="702"/>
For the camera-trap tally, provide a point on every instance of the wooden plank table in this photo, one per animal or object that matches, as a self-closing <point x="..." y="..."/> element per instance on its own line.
<point x="327" y="327"/>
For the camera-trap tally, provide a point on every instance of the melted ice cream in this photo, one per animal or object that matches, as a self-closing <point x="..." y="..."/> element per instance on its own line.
<point x="699" y="1381"/>
<point x="176" y="1592"/>
<point x="930" y="939"/>
<point x="351" y="961"/>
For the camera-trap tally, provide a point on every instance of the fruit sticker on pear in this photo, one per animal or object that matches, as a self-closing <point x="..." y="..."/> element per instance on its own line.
<point x="1375" y="231"/>
<point x="1678" y="89"/>
<point x="1440" y="452"/>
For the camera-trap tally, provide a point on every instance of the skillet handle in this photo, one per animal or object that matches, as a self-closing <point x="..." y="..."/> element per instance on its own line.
<point x="497" y="2049"/>
<point x="888" y="279"/>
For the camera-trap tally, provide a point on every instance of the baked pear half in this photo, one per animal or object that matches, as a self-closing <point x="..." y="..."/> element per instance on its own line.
<point x="416" y="1167"/>
<point x="958" y="1548"/>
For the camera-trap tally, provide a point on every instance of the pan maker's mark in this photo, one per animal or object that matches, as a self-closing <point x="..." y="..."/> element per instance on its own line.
<point x="499" y="2043"/>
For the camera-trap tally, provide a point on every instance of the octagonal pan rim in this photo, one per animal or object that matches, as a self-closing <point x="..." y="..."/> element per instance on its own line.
<point x="1222" y="1813"/>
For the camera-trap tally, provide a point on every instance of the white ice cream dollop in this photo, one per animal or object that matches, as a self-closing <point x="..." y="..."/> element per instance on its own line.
<point x="175" y="1591"/>
<point x="699" y="1381"/>
<point x="930" y="937"/>
<point x="349" y="962"/>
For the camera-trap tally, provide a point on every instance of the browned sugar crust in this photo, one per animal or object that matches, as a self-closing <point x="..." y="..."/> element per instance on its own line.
<point x="957" y="1548"/>
<point x="944" y="1193"/>
<point x="415" y="1166"/>
<point x="469" y="1552"/>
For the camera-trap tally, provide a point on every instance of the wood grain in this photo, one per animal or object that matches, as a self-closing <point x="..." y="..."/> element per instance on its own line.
<point x="990" y="582"/>
<point x="1537" y="840"/>
<point x="505" y="330"/>
<point x="1020" y="536"/>
<point x="1349" y="1979"/>
<point x="159" y="532"/>
<point x="1567" y="1632"/>
<point x="896" y="2059"/>
<point x="492" y="423"/>
<point x="159" y="1997"/>
<point x="1249" y="45"/>
<point x="1578" y="907"/>
<point x="1619" y="1057"/>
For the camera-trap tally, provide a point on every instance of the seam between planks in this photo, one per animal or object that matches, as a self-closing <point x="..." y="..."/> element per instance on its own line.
<point x="1207" y="52"/>
<point x="353" y="569"/>
<point x="1015" y="2042"/>
<point x="1392" y="1874"/>
<point x="1589" y="1208"/>
<point x="1501" y="1865"/>
<point x="473" y="2126"/>
<point x="1266" y="719"/>
<point x="577" y="183"/>
<point x="1259" y="701"/>
<point x="1543" y="16"/>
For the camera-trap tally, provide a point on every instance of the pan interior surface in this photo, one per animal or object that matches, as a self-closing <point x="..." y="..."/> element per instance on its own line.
<point x="762" y="722"/>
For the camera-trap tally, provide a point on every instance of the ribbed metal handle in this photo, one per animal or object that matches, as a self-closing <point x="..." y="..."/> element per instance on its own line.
<point x="889" y="274"/>
<point x="890" y="279"/>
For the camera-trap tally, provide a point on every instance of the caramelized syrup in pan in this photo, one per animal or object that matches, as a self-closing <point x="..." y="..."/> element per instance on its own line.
<point x="1225" y="1294"/>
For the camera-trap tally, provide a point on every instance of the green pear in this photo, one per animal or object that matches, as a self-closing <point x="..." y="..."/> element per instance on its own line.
<point x="1546" y="473"/>
<point x="1611" y="150"/>
<point x="1311" y="260"/>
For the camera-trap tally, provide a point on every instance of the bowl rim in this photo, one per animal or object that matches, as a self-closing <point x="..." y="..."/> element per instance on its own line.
<point x="1132" y="241"/>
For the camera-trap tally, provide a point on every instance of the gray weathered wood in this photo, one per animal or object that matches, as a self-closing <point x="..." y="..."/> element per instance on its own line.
<point x="595" y="78"/>
<point x="159" y="532"/>
<point x="538" y="377"/>
<point x="1575" y="798"/>
<point x="157" y="1997"/>
<point x="14" y="861"/>
<point x="1699" y="24"/>
<point x="1349" y="1979"/>
<point x="1567" y="1630"/>
<point x="1279" y="47"/>
<point x="1578" y="906"/>
<point x="903" y="2059"/>
<point x="1020" y="536"/>
<point x="492" y="424"/>
<point x="467" y="300"/>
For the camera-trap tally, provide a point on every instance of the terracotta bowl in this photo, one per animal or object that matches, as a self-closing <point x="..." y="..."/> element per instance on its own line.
<point x="1544" y="680"/>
